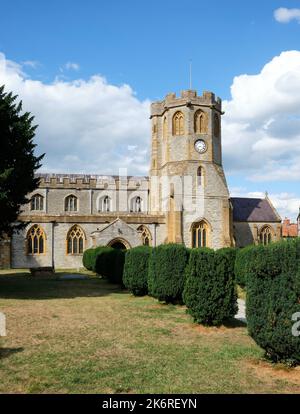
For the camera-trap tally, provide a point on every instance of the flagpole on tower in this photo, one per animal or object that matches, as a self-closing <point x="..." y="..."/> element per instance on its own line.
<point x="190" y="74"/>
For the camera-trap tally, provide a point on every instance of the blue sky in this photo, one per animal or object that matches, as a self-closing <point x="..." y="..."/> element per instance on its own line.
<point x="148" y="46"/>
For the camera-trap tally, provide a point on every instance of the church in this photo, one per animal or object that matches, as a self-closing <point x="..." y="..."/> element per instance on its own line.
<point x="185" y="198"/>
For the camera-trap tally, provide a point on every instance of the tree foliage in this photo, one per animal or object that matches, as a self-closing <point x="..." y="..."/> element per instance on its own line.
<point x="135" y="276"/>
<point x="167" y="271"/>
<point x="18" y="162"/>
<point x="89" y="257"/>
<point x="273" y="292"/>
<point x="243" y="261"/>
<point x="209" y="291"/>
<point x="109" y="263"/>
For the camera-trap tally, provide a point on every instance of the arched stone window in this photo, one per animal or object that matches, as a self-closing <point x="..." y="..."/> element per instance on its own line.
<point x="178" y="123"/>
<point x="200" y="234"/>
<point x="145" y="235"/>
<point x="136" y="205"/>
<point x="71" y="203"/>
<point x="75" y="240"/>
<point x="200" y="122"/>
<point x="105" y="204"/>
<point x="200" y="176"/>
<point x="217" y="125"/>
<point x="165" y="128"/>
<point x="37" y="203"/>
<point x="265" y="235"/>
<point x="35" y="240"/>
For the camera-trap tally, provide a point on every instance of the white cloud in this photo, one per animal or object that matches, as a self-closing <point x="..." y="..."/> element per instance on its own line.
<point x="90" y="126"/>
<point x="31" y="63"/>
<point x="85" y="126"/>
<point x="71" y="66"/>
<point x="261" y="126"/>
<point x="284" y="15"/>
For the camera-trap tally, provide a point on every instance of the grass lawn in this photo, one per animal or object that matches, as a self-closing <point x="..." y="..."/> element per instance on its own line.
<point x="86" y="336"/>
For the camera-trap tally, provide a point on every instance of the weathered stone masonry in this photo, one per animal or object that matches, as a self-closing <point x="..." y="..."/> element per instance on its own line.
<point x="185" y="199"/>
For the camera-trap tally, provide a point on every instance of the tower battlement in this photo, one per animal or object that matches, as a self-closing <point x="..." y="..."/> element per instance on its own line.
<point x="185" y="199"/>
<point x="86" y="181"/>
<point x="187" y="97"/>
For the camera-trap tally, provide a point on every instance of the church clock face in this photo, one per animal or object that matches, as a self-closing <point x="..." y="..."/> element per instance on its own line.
<point x="200" y="146"/>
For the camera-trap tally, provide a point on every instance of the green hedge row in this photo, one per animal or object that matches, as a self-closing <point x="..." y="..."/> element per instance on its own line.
<point x="230" y="253"/>
<point x="273" y="296"/>
<point x="205" y="280"/>
<point x="109" y="263"/>
<point x="171" y="272"/>
<point x="89" y="258"/>
<point x="167" y="271"/>
<point x="106" y="262"/>
<point x="243" y="263"/>
<point x="209" y="292"/>
<point x="201" y="278"/>
<point x="135" y="277"/>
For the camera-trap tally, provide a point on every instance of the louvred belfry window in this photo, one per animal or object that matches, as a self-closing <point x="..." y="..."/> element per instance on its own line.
<point x="178" y="124"/>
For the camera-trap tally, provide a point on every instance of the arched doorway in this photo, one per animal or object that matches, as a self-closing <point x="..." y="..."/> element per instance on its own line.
<point x="119" y="244"/>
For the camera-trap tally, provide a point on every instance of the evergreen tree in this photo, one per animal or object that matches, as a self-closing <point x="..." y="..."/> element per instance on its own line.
<point x="17" y="160"/>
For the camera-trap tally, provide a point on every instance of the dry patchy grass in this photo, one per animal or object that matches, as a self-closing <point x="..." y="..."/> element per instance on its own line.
<point x="85" y="336"/>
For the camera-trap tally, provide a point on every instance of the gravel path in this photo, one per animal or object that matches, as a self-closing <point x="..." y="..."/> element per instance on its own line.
<point x="241" y="315"/>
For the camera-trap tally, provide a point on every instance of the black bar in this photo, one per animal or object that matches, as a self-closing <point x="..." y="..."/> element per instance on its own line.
<point x="135" y="402"/>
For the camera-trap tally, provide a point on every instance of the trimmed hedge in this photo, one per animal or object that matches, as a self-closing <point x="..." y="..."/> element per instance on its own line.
<point x="167" y="272"/>
<point x="109" y="263"/>
<point x="243" y="263"/>
<point x="273" y="292"/>
<point x="209" y="291"/>
<point x="135" y="276"/>
<point x="230" y="253"/>
<point x="89" y="258"/>
<point x="103" y="261"/>
<point x="86" y="259"/>
<point x="117" y="269"/>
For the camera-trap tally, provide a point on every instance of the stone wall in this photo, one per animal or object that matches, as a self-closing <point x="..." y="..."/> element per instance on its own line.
<point x="55" y="189"/>
<point x="170" y="205"/>
<point x="175" y="164"/>
<point x="5" y="253"/>
<point x="95" y="234"/>
<point x="248" y="233"/>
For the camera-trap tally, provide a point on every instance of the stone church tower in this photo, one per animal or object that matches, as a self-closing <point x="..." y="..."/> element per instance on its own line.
<point x="184" y="200"/>
<point x="187" y="181"/>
